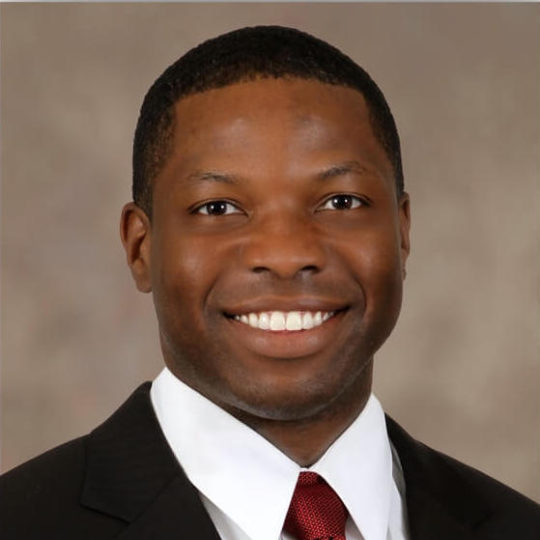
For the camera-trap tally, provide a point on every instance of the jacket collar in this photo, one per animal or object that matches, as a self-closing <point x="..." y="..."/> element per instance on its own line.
<point x="133" y="475"/>
<point x="437" y="496"/>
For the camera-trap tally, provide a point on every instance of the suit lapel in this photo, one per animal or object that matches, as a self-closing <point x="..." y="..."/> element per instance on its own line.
<point x="176" y="513"/>
<point x="428" y="519"/>
<point x="133" y="475"/>
<point x="439" y="503"/>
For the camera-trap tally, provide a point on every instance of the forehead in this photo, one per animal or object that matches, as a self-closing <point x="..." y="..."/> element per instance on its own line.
<point x="275" y="122"/>
<point x="307" y="94"/>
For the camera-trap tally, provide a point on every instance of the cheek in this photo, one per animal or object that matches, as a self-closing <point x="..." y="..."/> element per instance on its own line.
<point x="384" y="294"/>
<point x="376" y="263"/>
<point x="183" y="271"/>
<point x="372" y="253"/>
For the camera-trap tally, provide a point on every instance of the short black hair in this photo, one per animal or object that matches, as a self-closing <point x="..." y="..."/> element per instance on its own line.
<point x="244" y="55"/>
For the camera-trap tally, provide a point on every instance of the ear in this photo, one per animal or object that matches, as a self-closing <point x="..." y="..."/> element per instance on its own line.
<point x="135" y="231"/>
<point x="404" y="210"/>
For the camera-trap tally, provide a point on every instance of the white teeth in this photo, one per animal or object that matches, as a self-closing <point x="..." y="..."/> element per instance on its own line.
<point x="253" y="320"/>
<point x="277" y="321"/>
<point x="292" y="321"/>
<point x="264" y="321"/>
<point x="307" y="321"/>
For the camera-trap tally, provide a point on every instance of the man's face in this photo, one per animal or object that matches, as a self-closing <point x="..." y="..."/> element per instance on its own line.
<point x="277" y="246"/>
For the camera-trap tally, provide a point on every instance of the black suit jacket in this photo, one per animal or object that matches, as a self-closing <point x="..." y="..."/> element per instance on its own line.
<point x="122" y="481"/>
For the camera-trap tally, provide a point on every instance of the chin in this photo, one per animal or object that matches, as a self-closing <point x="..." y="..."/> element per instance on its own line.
<point x="285" y="390"/>
<point x="287" y="402"/>
<point x="293" y="408"/>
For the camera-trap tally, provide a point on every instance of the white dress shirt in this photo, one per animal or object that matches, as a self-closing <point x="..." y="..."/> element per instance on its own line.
<point x="246" y="484"/>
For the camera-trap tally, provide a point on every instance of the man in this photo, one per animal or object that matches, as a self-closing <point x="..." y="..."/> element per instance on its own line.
<point x="271" y="225"/>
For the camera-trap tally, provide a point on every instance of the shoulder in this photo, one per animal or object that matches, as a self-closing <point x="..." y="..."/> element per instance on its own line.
<point x="56" y="469"/>
<point x="94" y="486"/>
<point x="41" y="498"/>
<point x="69" y="491"/>
<point x="505" y="502"/>
<point x="470" y="497"/>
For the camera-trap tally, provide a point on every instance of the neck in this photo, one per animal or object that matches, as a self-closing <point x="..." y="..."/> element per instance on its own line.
<point x="306" y="440"/>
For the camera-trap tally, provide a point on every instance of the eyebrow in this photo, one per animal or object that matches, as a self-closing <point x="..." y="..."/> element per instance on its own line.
<point x="212" y="176"/>
<point x="342" y="169"/>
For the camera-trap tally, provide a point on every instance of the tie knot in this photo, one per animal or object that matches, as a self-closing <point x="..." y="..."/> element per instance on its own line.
<point x="316" y="512"/>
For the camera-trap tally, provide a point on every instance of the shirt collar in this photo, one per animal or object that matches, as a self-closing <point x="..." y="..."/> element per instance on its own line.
<point x="358" y="467"/>
<point x="244" y="475"/>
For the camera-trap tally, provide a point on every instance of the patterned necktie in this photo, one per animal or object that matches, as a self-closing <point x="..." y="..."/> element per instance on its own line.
<point x="316" y="512"/>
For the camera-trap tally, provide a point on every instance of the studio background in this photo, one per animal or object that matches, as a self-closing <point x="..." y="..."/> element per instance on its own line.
<point x="461" y="370"/>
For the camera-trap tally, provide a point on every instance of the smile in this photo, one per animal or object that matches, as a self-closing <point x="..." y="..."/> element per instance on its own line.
<point x="297" y="330"/>
<point x="290" y="321"/>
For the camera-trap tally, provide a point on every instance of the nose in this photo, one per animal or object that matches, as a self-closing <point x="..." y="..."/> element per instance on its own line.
<point x="284" y="247"/>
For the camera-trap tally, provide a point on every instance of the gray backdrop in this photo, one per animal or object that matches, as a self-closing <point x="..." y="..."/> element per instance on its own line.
<point x="460" y="372"/>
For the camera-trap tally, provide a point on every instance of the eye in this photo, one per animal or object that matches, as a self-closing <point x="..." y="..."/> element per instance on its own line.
<point x="342" y="201"/>
<point x="217" y="208"/>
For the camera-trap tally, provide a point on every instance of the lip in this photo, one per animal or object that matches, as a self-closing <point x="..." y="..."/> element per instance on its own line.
<point x="287" y="344"/>
<point x="259" y="305"/>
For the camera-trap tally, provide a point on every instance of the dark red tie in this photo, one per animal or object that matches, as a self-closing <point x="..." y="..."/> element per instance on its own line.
<point x="316" y="512"/>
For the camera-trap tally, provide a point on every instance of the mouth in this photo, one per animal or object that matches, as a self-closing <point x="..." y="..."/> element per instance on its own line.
<point x="296" y="332"/>
<point x="284" y="321"/>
